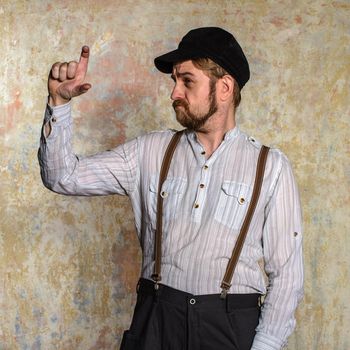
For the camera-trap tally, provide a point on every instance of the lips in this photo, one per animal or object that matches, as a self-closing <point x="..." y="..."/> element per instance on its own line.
<point x="179" y="103"/>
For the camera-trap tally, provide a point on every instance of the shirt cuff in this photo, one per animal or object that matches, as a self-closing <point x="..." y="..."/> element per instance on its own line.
<point x="58" y="113"/>
<point x="55" y="117"/>
<point x="264" y="341"/>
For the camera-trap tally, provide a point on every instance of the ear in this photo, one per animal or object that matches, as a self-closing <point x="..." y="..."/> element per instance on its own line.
<point x="225" y="88"/>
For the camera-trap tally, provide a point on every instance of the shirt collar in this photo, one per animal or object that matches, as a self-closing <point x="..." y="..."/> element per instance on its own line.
<point x="230" y="134"/>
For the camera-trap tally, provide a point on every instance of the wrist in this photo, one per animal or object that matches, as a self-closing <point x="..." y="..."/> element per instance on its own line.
<point x="54" y="100"/>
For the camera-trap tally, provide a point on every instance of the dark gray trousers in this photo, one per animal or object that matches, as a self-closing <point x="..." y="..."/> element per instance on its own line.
<point x="169" y="319"/>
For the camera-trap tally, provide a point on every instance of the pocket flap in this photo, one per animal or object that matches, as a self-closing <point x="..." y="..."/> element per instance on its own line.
<point x="240" y="191"/>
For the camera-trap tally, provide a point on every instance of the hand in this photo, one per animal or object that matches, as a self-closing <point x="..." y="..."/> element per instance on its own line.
<point x="66" y="80"/>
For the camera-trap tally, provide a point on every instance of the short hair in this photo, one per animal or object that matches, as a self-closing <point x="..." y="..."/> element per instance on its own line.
<point x="215" y="72"/>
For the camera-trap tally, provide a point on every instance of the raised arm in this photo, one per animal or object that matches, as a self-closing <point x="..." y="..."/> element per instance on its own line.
<point x="62" y="171"/>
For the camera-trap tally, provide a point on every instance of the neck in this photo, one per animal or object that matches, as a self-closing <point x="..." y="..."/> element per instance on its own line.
<point x="213" y="132"/>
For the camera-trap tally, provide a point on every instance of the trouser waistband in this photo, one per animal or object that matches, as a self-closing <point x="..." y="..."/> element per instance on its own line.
<point x="175" y="296"/>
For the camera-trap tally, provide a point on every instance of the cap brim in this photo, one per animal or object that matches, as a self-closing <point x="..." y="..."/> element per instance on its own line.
<point x="165" y="62"/>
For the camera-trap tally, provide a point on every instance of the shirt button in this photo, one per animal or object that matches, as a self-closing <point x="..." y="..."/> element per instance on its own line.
<point x="295" y="234"/>
<point x="203" y="153"/>
<point x="201" y="185"/>
<point x="53" y="119"/>
<point x="192" y="301"/>
<point x="164" y="194"/>
<point x="241" y="200"/>
<point x="206" y="167"/>
<point x="196" y="205"/>
<point x="251" y="139"/>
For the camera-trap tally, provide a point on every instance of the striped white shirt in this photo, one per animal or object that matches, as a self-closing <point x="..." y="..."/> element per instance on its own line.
<point x="205" y="201"/>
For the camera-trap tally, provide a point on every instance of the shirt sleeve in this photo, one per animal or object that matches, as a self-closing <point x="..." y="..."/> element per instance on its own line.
<point x="282" y="245"/>
<point x="110" y="172"/>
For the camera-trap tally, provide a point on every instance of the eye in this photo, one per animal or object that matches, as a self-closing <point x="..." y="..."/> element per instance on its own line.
<point x="187" y="81"/>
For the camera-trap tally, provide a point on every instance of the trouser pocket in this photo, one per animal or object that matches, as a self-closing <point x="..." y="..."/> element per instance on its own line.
<point x="143" y="328"/>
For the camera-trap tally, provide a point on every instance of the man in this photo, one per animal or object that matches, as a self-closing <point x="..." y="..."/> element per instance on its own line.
<point x="205" y="198"/>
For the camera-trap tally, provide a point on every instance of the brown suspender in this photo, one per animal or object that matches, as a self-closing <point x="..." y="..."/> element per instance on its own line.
<point x="159" y="225"/>
<point x="260" y="170"/>
<point x="226" y="282"/>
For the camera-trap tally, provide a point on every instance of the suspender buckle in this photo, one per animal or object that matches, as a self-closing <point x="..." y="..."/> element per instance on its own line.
<point x="156" y="279"/>
<point x="223" y="293"/>
<point x="224" y="289"/>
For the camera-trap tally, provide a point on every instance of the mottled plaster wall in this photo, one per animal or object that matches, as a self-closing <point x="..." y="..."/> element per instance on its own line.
<point x="68" y="265"/>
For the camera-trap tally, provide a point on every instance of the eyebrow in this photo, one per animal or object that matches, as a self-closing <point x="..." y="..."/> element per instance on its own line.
<point x="181" y="75"/>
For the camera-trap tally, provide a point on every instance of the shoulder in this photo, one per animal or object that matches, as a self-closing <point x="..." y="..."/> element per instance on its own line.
<point x="276" y="156"/>
<point x="278" y="167"/>
<point x="276" y="162"/>
<point x="157" y="135"/>
<point x="149" y="138"/>
<point x="156" y="140"/>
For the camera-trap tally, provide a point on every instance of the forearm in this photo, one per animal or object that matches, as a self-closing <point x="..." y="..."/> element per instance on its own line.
<point x="64" y="172"/>
<point x="285" y="291"/>
<point x="56" y="159"/>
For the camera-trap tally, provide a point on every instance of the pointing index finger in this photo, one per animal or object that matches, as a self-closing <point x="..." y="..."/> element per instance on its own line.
<point x="83" y="61"/>
<point x="85" y="51"/>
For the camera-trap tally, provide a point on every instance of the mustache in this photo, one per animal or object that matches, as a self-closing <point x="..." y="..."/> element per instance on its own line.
<point x="178" y="103"/>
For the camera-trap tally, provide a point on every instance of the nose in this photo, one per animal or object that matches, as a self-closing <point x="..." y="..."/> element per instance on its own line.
<point x="177" y="93"/>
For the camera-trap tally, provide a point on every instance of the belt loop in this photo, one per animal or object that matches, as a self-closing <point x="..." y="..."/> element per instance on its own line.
<point x="227" y="303"/>
<point x="157" y="291"/>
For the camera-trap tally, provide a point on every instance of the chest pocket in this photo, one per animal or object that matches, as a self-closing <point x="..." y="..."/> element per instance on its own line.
<point x="172" y="193"/>
<point x="233" y="204"/>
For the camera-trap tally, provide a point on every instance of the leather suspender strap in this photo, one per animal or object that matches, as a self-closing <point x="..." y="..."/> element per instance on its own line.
<point x="156" y="276"/>
<point x="260" y="170"/>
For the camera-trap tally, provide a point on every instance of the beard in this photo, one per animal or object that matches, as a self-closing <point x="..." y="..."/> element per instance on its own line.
<point x="195" y="121"/>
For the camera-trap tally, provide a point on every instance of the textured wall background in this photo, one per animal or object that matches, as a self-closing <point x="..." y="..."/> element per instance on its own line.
<point x="68" y="265"/>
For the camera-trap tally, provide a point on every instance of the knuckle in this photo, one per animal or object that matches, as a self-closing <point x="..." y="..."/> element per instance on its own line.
<point x="55" y="67"/>
<point x="55" y="70"/>
<point x="63" y="71"/>
<point x="63" y="66"/>
<point x="72" y="65"/>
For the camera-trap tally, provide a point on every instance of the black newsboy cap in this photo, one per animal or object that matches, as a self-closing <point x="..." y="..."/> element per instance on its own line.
<point x="209" y="42"/>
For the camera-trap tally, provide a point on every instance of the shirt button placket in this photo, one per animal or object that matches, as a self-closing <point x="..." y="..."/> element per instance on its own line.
<point x="199" y="203"/>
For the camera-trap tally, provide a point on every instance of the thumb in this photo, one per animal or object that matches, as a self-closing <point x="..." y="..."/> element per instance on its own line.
<point x="81" y="89"/>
